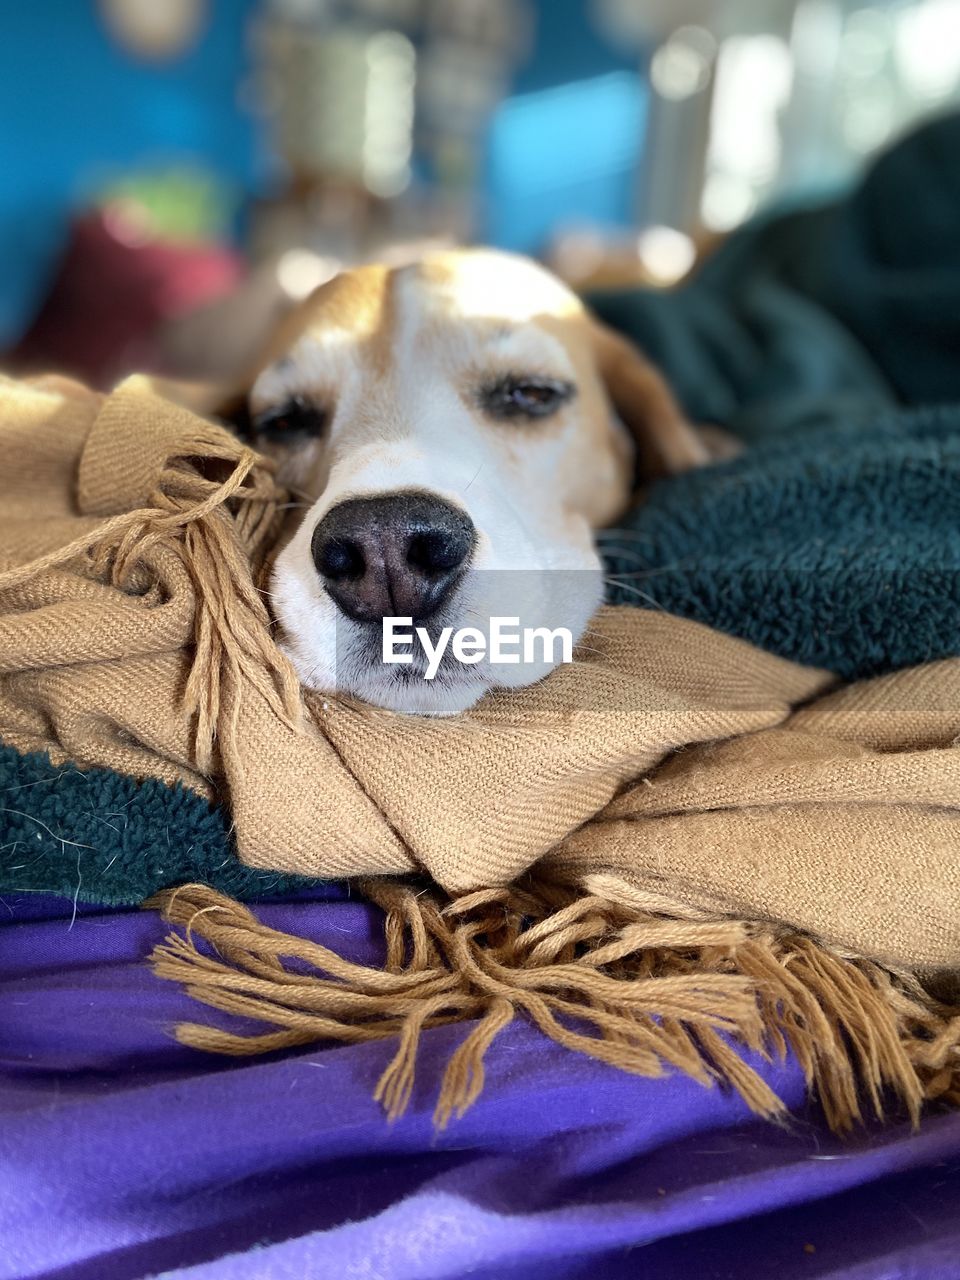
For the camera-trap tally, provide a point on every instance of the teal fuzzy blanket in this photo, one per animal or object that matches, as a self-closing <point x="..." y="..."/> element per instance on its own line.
<point x="829" y="340"/>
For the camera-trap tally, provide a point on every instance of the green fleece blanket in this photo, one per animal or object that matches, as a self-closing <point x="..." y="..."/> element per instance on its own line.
<point x="829" y="339"/>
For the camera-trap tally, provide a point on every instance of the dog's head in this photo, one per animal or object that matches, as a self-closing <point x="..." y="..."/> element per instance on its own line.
<point x="456" y="430"/>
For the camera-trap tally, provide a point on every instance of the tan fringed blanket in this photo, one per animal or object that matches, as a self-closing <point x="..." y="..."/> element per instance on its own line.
<point x="676" y="840"/>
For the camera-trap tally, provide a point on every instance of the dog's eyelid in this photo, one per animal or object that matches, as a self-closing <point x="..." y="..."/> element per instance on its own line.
<point x="296" y="417"/>
<point x="525" y="395"/>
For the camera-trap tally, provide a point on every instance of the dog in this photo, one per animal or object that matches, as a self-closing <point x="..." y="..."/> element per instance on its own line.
<point x="458" y="429"/>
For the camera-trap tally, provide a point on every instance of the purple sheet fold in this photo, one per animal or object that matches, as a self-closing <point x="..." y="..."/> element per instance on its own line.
<point x="123" y="1154"/>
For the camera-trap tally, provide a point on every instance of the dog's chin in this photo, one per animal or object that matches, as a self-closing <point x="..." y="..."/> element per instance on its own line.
<point x="333" y="655"/>
<point x="443" y="696"/>
<point x="358" y="672"/>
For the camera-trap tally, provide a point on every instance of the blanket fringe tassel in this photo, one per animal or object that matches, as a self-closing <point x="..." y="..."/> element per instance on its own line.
<point x="641" y="991"/>
<point x="216" y="528"/>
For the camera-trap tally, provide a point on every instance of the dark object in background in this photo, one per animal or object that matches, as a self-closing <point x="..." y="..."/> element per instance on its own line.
<point x="115" y="288"/>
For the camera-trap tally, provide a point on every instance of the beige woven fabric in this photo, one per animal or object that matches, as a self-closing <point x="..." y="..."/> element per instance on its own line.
<point x="694" y="771"/>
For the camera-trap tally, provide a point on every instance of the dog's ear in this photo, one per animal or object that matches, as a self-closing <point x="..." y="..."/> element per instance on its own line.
<point x="666" y="442"/>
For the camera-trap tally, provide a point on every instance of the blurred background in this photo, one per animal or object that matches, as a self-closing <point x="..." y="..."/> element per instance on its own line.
<point x="174" y="172"/>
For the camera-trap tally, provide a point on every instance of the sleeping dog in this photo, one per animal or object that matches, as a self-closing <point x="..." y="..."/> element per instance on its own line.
<point x="458" y="429"/>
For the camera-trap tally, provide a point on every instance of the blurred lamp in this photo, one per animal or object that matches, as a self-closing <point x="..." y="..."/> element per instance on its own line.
<point x="927" y="47"/>
<point x="682" y="65"/>
<point x="155" y="29"/>
<point x="666" y="254"/>
<point x="300" y="271"/>
<point x="754" y="79"/>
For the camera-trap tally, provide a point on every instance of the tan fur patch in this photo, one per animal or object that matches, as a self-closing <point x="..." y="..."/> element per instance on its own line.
<point x="352" y="302"/>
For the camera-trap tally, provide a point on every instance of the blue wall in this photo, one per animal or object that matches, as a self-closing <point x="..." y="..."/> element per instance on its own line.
<point x="76" y="111"/>
<point x="564" y="148"/>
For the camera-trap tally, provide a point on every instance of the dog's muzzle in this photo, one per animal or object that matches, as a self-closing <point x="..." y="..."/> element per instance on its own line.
<point x="397" y="555"/>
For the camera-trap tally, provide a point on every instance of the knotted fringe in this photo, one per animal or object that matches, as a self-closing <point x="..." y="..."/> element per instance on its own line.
<point x="189" y="516"/>
<point x="641" y="991"/>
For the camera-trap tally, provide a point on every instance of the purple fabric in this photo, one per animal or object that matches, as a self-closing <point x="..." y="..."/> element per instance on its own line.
<point x="123" y="1154"/>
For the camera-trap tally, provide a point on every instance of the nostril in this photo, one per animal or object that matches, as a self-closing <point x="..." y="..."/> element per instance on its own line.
<point x="436" y="550"/>
<point x="339" y="558"/>
<point x="398" y="554"/>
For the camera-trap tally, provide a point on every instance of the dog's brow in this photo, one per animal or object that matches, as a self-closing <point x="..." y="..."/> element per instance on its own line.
<point x="528" y="342"/>
<point x="304" y="368"/>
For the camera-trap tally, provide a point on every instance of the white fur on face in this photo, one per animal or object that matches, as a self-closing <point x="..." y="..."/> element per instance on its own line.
<point x="407" y="420"/>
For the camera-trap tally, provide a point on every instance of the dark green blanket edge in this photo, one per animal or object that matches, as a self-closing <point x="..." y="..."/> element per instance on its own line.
<point x="97" y="836"/>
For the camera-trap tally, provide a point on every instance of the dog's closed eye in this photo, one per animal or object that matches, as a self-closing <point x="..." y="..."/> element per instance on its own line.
<point x="295" y="420"/>
<point x="524" y="396"/>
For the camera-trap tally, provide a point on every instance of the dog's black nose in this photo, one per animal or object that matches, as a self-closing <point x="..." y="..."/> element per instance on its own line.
<point x="395" y="556"/>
